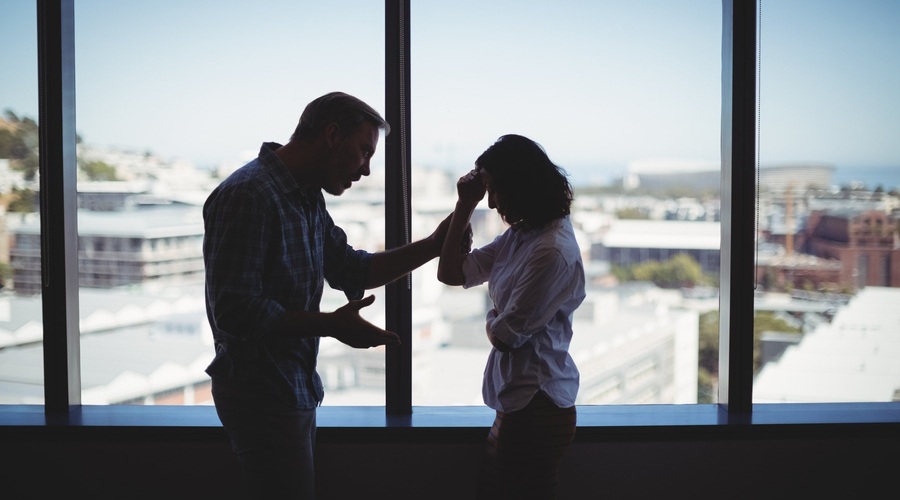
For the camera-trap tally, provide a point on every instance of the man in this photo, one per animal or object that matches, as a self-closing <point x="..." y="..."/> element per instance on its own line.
<point x="270" y="245"/>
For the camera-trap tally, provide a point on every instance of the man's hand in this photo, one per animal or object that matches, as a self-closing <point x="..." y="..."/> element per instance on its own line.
<point x="351" y="329"/>
<point x="440" y="233"/>
<point x="465" y="246"/>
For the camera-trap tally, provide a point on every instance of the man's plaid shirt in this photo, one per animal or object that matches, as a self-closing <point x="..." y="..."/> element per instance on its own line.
<point x="269" y="246"/>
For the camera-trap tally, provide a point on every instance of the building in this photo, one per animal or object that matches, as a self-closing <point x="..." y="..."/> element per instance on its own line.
<point x="866" y="242"/>
<point x="160" y="242"/>
<point x="661" y="173"/>
<point x="778" y="180"/>
<point x="629" y="242"/>
<point x="781" y="271"/>
<point x="855" y="357"/>
<point x="774" y="179"/>
<point x="150" y="345"/>
<point x="635" y="344"/>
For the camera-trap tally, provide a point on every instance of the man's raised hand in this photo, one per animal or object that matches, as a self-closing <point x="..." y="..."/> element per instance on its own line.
<point x="352" y="329"/>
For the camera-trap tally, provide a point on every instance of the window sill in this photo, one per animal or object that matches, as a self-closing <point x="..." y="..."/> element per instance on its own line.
<point x="450" y="423"/>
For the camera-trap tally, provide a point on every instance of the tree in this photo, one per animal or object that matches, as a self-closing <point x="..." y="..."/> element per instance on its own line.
<point x="97" y="170"/>
<point x="622" y="273"/>
<point x="6" y="272"/>
<point x="22" y="200"/>
<point x="678" y="272"/>
<point x="19" y="141"/>
<point x="11" y="144"/>
<point x="766" y="321"/>
<point x="631" y="213"/>
<point x="708" y="369"/>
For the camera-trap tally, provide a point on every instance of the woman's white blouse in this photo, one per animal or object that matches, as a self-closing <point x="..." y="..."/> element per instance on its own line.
<point x="535" y="281"/>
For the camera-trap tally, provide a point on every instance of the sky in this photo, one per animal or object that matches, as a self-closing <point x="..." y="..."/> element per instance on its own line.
<point x="600" y="84"/>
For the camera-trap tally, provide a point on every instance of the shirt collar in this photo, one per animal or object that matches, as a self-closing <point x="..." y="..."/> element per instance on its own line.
<point x="279" y="172"/>
<point x="526" y="232"/>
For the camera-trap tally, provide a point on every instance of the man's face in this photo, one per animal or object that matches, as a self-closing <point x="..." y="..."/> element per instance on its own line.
<point x="349" y="159"/>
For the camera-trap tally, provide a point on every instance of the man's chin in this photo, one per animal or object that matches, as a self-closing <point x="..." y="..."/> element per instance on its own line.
<point x="335" y="190"/>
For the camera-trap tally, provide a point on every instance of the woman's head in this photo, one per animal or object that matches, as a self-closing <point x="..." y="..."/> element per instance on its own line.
<point x="522" y="183"/>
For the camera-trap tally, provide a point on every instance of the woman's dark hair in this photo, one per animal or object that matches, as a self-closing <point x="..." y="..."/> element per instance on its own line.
<point x="336" y="107"/>
<point x="525" y="181"/>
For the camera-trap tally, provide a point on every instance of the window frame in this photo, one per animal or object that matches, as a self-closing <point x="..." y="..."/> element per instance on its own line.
<point x="735" y="408"/>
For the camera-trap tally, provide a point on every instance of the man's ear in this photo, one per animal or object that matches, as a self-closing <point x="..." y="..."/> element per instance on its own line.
<point x="332" y="134"/>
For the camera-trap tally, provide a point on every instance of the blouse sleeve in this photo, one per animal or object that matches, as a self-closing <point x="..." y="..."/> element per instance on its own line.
<point x="478" y="264"/>
<point x="543" y="289"/>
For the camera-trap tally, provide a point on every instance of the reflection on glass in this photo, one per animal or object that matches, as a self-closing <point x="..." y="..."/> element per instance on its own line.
<point x="21" y="333"/>
<point x="827" y="326"/>
<point x="626" y="97"/>
<point x="173" y="96"/>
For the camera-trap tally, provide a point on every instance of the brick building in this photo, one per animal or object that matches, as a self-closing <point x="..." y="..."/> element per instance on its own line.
<point x="866" y="242"/>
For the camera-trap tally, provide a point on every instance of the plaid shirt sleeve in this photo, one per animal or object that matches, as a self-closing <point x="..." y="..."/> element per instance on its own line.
<point x="345" y="268"/>
<point x="237" y="231"/>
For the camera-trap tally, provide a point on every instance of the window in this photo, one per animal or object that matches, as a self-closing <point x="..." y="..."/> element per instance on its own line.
<point x="737" y="245"/>
<point x="21" y="332"/>
<point x="169" y="102"/>
<point x="626" y="97"/>
<point x="829" y="178"/>
<point x="154" y="81"/>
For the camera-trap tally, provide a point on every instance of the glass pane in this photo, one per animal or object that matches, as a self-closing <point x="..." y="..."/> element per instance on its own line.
<point x="827" y="327"/>
<point x="626" y="97"/>
<point x="21" y="332"/>
<point x="172" y="97"/>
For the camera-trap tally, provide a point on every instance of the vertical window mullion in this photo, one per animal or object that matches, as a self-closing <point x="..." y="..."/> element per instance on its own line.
<point x="59" y="250"/>
<point x="398" y="295"/>
<point x="738" y="204"/>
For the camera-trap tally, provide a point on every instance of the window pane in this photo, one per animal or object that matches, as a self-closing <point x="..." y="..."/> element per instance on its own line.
<point x="21" y="334"/>
<point x="827" y="326"/>
<point x="172" y="97"/>
<point x="626" y="97"/>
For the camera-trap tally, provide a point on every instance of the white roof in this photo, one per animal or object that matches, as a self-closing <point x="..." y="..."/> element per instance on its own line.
<point x="855" y="358"/>
<point x="688" y="235"/>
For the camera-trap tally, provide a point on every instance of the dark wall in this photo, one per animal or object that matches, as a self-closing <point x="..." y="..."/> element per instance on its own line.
<point x="196" y="464"/>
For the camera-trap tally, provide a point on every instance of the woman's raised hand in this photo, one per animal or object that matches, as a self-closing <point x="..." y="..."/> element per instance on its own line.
<point x="470" y="187"/>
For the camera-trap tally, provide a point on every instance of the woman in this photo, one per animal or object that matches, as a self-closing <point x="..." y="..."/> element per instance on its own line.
<point x="535" y="281"/>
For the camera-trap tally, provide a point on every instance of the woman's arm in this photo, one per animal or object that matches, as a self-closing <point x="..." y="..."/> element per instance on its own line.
<point x="496" y="342"/>
<point x="470" y="189"/>
<point x="546" y="285"/>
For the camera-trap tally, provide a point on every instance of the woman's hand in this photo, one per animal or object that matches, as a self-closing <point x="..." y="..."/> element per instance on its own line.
<point x="458" y="241"/>
<point x="497" y="343"/>
<point x="470" y="187"/>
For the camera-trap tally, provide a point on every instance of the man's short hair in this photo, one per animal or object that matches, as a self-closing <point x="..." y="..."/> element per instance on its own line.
<point x="346" y="111"/>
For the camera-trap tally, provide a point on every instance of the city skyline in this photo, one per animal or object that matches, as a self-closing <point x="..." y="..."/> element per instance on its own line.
<point x="208" y="81"/>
